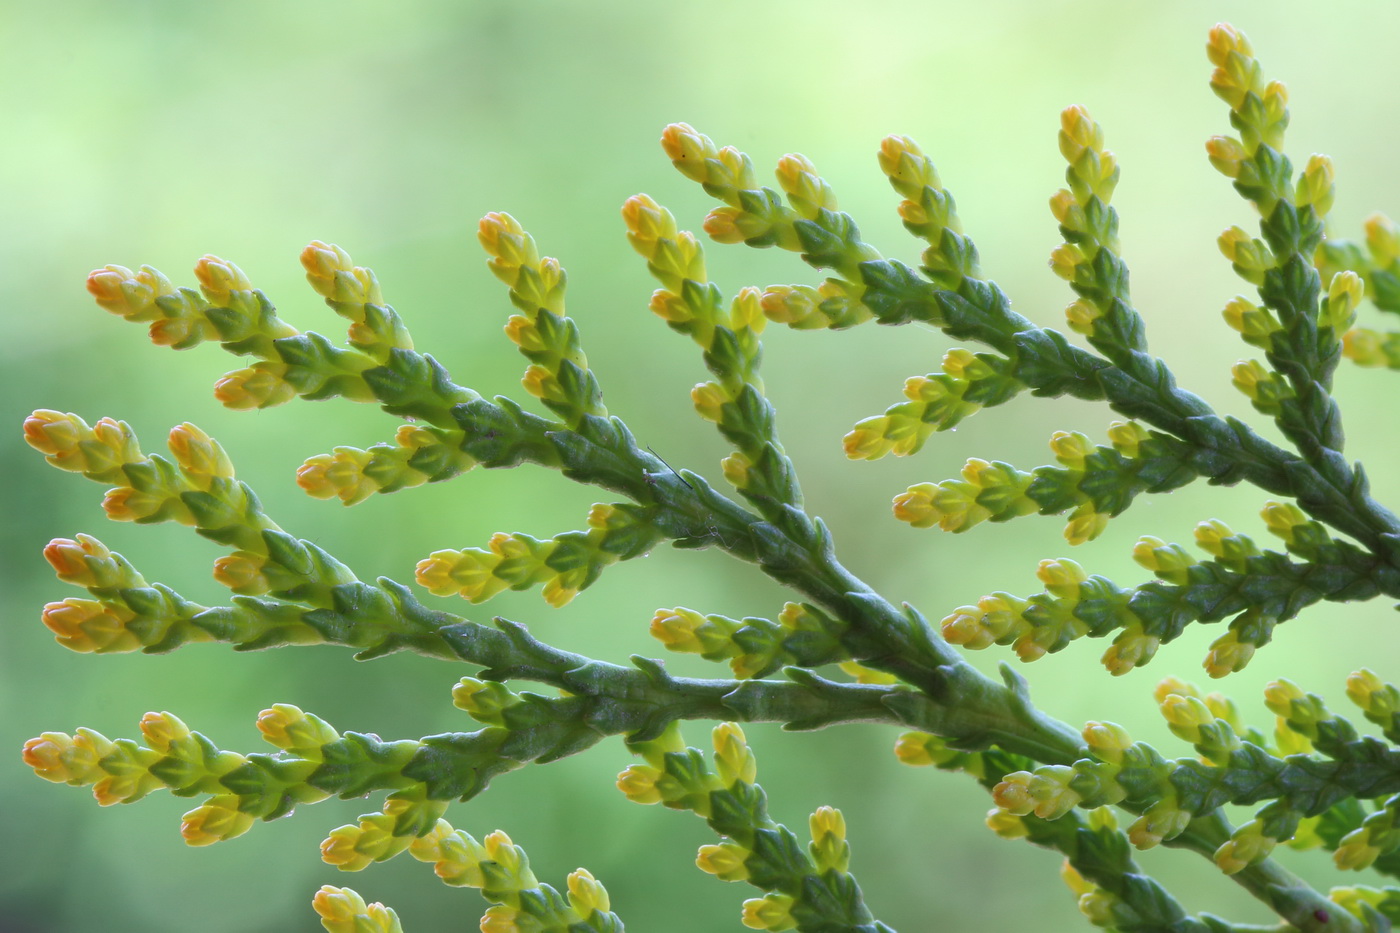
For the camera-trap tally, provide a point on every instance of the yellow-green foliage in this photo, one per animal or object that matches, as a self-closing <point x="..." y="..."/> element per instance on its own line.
<point x="838" y="652"/>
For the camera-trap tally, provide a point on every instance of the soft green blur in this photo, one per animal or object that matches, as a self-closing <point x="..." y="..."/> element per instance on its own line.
<point x="153" y="132"/>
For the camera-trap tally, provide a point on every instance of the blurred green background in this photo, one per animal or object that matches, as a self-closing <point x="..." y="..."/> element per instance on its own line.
<point x="153" y="132"/>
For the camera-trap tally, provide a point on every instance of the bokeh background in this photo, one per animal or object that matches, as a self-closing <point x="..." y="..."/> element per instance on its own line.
<point x="154" y="131"/>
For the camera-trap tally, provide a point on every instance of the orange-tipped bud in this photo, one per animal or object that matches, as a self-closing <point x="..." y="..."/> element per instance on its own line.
<point x="129" y="294"/>
<point x="86" y="562"/>
<point x="66" y="759"/>
<point x="220" y="280"/>
<point x="85" y="625"/>
<point x="198" y="454"/>
<point x="259" y="386"/>
<point x="217" y="819"/>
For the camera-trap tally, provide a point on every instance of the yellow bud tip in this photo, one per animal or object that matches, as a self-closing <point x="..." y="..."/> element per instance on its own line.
<point x="258" y="386"/>
<point x="676" y="629"/>
<point x="1224" y="39"/>
<point x="647" y="222"/>
<point x="586" y="893"/>
<point x="709" y="399"/>
<point x="725" y="861"/>
<point x="161" y="730"/>
<point x="638" y="784"/>
<point x="722" y="225"/>
<point x="275" y="724"/>
<point x="771" y="912"/>
<point x="129" y="294"/>
<point x="54" y="433"/>
<point x="218" y="819"/>
<point x="85" y="625"/>
<point x="1226" y="153"/>
<point x="903" y="161"/>
<point x="338" y="905"/>
<point x="912" y="748"/>
<point x="827" y="821"/>
<point x="1107" y="740"/>
<point x="1174" y="686"/>
<point x="197" y="453"/>
<point x="507" y="243"/>
<point x="1013" y="793"/>
<point x="340" y="849"/>
<point x="687" y="148"/>
<point x="1078" y="132"/>
<point x="1006" y="825"/>
<point x="45" y="755"/>
<point x="219" y="279"/>
<point x="241" y="572"/>
<point x="1065" y="260"/>
<point x="324" y="260"/>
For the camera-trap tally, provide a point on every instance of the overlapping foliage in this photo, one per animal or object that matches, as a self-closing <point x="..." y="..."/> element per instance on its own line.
<point x="838" y="652"/>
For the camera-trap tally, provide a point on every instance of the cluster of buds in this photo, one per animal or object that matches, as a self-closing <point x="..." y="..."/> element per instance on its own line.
<point x="244" y="788"/>
<point x="343" y="911"/>
<point x="1194" y="719"/>
<point x="800" y="887"/>
<point x="196" y="486"/>
<point x="1268" y="391"/>
<point x="1033" y="627"/>
<point x="929" y="212"/>
<point x="562" y="565"/>
<point x="1100" y="907"/>
<point x="758" y="217"/>
<point x="379" y="366"/>
<point x="149" y="489"/>
<point x="558" y="374"/>
<point x="1260" y="112"/>
<point x="691" y="305"/>
<point x="938" y="401"/>
<point x="1076" y="604"/>
<point x="1303" y="336"/>
<point x="992" y="491"/>
<point x="1253" y="628"/>
<point x="673" y="774"/>
<point x="501" y="871"/>
<point x="1098" y="482"/>
<point x="803" y="635"/>
<point x="1378" y="835"/>
<point x="353" y="292"/>
<point x="244" y="321"/>
<point x="1116" y="765"/>
<point x="686" y="300"/>
<point x="124" y="613"/>
<point x="1092" y="482"/>
<point x="378" y="837"/>
<point x="1378" y="265"/>
<point x="420" y="454"/>
<point x="1088" y="258"/>
<point x="1379" y="701"/>
<point x="229" y="310"/>
<point x="1308" y="716"/>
